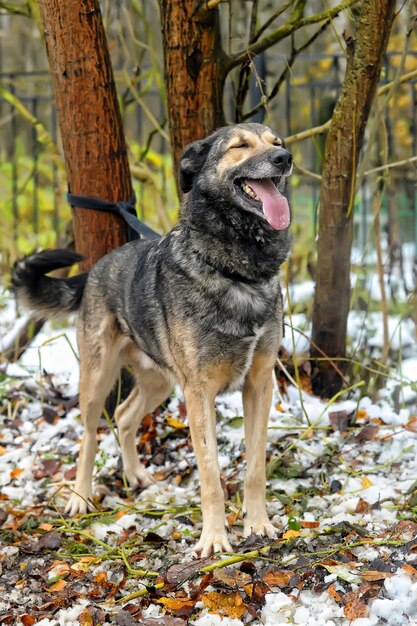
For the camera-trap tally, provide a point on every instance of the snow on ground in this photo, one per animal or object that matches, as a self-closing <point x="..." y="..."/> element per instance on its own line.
<point x="342" y="492"/>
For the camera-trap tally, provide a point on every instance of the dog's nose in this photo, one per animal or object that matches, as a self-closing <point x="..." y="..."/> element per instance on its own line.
<point x="282" y="158"/>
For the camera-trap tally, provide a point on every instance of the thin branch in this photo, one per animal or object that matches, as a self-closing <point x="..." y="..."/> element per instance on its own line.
<point x="15" y="9"/>
<point x="307" y="172"/>
<point x="295" y="22"/>
<point x="253" y="18"/>
<point x="388" y="166"/>
<point x="211" y="4"/>
<point x="308" y="134"/>
<point x="294" y="54"/>
<point x="403" y="79"/>
<point x="271" y="19"/>
<point x="42" y="134"/>
<point x="319" y="130"/>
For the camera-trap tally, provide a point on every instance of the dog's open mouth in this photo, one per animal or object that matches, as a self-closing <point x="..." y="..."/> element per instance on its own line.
<point x="263" y="195"/>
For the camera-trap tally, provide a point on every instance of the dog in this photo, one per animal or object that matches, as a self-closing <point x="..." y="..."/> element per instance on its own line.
<point x="200" y="307"/>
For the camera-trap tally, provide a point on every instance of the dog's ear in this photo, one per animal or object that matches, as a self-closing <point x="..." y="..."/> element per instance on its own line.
<point x="192" y="161"/>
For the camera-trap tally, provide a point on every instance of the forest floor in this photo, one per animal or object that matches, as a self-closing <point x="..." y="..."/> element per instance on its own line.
<point x="342" y="492"/>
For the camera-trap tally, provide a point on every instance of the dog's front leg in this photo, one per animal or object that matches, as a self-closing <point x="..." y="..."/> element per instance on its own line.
<point x="201" y="413"/>
<point x="257" y="398"/>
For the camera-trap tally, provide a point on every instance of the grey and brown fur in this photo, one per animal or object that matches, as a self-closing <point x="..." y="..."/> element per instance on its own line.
<point x="200" y="307"/>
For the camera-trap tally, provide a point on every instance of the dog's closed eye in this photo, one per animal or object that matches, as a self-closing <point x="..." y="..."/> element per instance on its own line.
<point x="242" y="144"/>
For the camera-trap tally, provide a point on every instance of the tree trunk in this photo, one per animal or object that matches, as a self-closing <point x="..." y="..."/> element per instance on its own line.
<point x="332" y="298"/>
<point x="193" y="71"/>
<point x="90" y="121"/>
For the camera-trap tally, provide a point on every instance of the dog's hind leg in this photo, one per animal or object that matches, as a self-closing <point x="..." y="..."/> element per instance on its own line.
<point x="257" y="398"/>
<point x="150" y="390"/>
<point x="99" y="367"/>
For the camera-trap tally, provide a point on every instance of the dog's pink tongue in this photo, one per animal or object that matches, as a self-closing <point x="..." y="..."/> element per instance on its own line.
<point x="275" y="205"/>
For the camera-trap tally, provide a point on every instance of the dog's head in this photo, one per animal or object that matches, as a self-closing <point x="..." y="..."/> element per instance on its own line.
<point x="246" y="166"/>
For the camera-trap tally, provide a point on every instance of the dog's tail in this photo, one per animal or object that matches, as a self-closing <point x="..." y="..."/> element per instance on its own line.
<point x="46" y="295"/>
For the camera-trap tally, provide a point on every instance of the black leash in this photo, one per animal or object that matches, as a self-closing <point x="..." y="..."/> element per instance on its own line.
<point x="126" y="210"/>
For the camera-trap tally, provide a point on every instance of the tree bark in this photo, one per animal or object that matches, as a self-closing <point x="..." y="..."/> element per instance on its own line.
<point x="194" y="78"/>
<point x="89" y="118"/>
<point x="332" y="297"/>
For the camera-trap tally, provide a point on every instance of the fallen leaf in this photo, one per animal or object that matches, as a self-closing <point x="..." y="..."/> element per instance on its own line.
<point x="58" y="586"/>
<point x="152" y="537"/>
<point x="362" y="506"/>
<point x="178" y="606"/>
<point x="232" y="577"/>
<point x="340" y="420"/>
<point x="179" y="572"/>
<point x="71" y="473"/>
<point x="412" y="571"/>
<point x="333" y="594"/>
<point x="52" y="541"/>
<point x="355" y="607"/>
<point x="166" y="620"/>
<point x="278" y="578"/>
<point x="46" y="527"/>
<point x="3" y="450"/>
<point x="412" y="424"/>
<point x="174" y="423"/>
<point x="371" y="575"/>
<point x="224" y="604"/>
<point x="257" y="591"/>
<point x="16" y="473"/>
<point x="367" y="433"/>
<point x="279" y="408"/>
<point x="290" y="534"/>
<point x="343" y="573"/>
<point x="85" y="618"/>
<point x="307" y="524"/>
<point x="100" y="578"/>
<point x="124" y="618"/>
<point x="27" y="620"/>
<point x="366" y="483"/>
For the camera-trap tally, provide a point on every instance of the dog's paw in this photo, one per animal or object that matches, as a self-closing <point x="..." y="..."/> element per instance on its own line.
<point x="77" y="504"/>
<point x="261" y="527"/>
<point x="213" y="541"/>
<point x="139" y="477"/>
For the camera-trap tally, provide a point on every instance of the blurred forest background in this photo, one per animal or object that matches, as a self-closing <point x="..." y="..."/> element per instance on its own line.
<point x="33" y="186"/>
<point x="292" y="86"/>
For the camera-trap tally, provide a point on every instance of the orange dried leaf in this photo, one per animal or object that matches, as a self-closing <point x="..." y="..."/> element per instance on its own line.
<point x="27" y="620"/>
<point x="371" y="575"/>
<point x="412" y="571"/>
<point x="15" y="473"/>
<point x="361" y="414"/>
<point x="174" y="423"/>
<point x="333" y="593"/>
<point x="100" y="578"/>
<point x="412" y="424"/>
<point x="280" y="578"/>
<point x="46" y="527"/>
<point x="58" y="586"/>
<point x="362" y="506"/>
<point x="224" y="604"/>
<point x="355" y="607"/>
<point x="279" y="408"/>
<point x="290" y="534"/>
<point x="307" y="524"/>
<point x="366" y="483"/>
<point x="177" y="605"/>
<point x="2" y="450"/>
<point x="85" y="618"/>
<point x="233" y="578"/>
